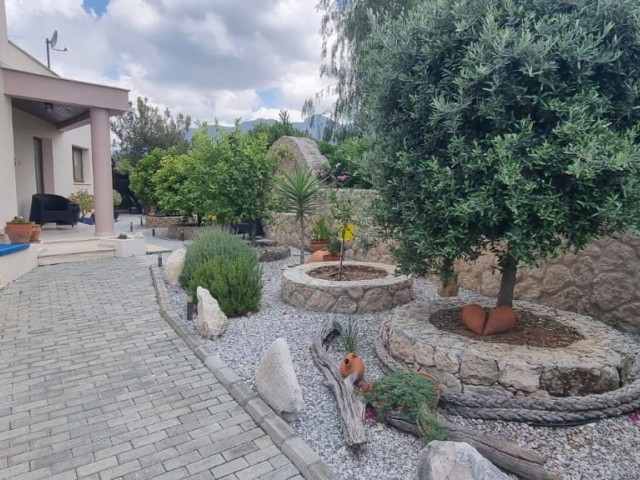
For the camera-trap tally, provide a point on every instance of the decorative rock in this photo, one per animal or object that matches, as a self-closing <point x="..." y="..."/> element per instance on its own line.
<point x="556" y="277"/>
<point x="277" y="382"/>
<point x="501" y="319"/>
<point x="455" y="461"/>
<point x="477" y="370"/>
<point x="612" y="289"/>
<point x="301" y="152"/>
<point x="474" y="317"/>
<point x="567" y="382"/>
<point x="211" y="321"/>
<point x="175" y="262"/>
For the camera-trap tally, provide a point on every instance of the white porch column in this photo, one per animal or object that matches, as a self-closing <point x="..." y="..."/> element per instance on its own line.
<point x="101" y="161"/>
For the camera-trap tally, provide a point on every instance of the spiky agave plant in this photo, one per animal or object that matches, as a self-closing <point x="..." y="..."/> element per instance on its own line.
<point x="299" y="193"/>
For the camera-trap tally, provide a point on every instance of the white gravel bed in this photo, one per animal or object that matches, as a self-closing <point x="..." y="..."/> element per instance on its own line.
<point x="604" y="450"/>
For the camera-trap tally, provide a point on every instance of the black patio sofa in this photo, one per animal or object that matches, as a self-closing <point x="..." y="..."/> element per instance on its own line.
<point x="50" y="208"/>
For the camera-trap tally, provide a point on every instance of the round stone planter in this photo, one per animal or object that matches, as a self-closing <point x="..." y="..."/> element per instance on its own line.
<point x="361" y="296"/>
<point x="602" y="361"/>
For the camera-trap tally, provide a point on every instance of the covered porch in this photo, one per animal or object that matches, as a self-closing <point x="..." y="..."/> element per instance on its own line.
<point x="60" y="127"/>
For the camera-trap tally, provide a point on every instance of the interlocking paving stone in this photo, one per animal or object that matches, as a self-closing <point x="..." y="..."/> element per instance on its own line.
<point x="95" y="384"/>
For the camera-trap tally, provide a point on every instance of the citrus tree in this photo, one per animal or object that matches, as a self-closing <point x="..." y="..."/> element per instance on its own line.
<point x="502" y="125"/>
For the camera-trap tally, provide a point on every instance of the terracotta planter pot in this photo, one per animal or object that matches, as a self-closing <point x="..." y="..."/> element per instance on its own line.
<point x="474" y="317"/>
<point x="331" y="258"/>
<point x="35" y="233"/>
<point x="501" y="319"/>
<point x="352" y="363"/>
<point x="316" y="245"/>
<point x="18" y="232"/>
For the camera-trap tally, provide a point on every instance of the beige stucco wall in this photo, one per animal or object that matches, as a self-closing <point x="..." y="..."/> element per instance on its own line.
<point x="8" y="206"/>
<point x="20" y="60"/>
<point x="58" y="166"/>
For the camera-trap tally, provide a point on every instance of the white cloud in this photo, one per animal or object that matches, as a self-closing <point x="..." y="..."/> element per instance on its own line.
<point x="205" y="59"/>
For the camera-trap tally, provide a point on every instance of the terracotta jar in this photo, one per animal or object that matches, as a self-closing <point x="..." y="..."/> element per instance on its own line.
<point x="317" y="256"/>
<point x="473" y="317"/>
<point x="501" y="319"/>
<point x="35" y="233"/>
<point x="318" y="245"/>
<point x="18" y="232"/>
<point x="352" y="363"/>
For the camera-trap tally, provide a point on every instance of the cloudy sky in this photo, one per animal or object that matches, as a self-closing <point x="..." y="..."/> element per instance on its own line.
<point x="210" y="59"/>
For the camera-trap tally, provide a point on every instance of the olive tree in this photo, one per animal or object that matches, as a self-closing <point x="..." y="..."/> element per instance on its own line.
<point x="503" y="125"/>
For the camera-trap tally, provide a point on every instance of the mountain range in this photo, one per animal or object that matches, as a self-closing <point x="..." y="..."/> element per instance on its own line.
<point x="314" y="126"/>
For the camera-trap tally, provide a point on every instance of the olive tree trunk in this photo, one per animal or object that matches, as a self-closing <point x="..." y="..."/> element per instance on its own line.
<point x="507" y="282"/>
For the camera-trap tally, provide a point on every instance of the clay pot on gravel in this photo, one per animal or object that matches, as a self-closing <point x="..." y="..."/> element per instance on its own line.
<point x="352" y="363"/>
<point x="317" y="256"/>
<point x="501" y="319"/>
<point x="474" y="317"/>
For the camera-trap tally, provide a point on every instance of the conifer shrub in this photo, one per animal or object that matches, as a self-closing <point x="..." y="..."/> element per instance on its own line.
<point x="234" y="281"/>
<point x="213" y="243"/>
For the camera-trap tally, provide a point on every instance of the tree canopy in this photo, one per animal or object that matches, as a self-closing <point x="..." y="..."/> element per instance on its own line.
<point x="502" y="124"/>
<point x="145" y="127"/>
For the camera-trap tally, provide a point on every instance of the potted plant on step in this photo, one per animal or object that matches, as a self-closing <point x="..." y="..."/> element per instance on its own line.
<point x="321" y="235"/>
<point x="18" y="230"/>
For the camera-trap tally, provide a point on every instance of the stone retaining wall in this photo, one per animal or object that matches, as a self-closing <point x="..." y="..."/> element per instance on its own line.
<point x="366" y="245"/>
<point x="152" y="221"/>
<point x="601" y="280"/>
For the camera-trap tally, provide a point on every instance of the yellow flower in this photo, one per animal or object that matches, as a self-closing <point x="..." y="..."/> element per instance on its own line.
<point x="214" y="218"/>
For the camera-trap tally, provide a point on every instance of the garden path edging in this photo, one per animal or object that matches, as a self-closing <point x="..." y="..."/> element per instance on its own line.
<point x="305" y="459"/>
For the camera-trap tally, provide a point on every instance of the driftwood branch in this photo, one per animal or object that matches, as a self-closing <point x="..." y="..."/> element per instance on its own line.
<point x="350" y="405"/>
<point x="504" y="454"/>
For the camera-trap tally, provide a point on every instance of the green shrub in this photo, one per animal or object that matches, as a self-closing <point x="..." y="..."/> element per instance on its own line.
<point x="430" y="427"/>
<point x="234" y="281"/>
<point x="212" y="243"/>
<point x="404" y="391"/>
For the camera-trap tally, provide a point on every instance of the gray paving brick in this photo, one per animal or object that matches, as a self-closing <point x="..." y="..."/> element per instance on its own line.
<point x="229" y="467"/>
<point x="254" y="471"/>
<point x="95" y="467"/>
<point x="205" y="464"/>
<point x="181" y="460"/>
<point x="120" y="470"/>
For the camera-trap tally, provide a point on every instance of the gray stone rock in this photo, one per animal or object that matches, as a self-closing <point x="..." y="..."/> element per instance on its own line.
<point x="277" y="382"/>
<point x="211" y="321"/>
<point x="580" y="381"/>
<point x="455" y="461"/>
<point x="175" y="262"/>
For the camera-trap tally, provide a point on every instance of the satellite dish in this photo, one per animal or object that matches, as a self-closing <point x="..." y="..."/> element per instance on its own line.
<point x="54" y="39"/>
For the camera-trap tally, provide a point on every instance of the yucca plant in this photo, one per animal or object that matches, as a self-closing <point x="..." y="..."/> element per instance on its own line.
<point x="299" y="193"/>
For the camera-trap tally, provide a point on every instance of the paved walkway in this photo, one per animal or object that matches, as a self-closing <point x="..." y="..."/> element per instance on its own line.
<point x="95" y="384"/>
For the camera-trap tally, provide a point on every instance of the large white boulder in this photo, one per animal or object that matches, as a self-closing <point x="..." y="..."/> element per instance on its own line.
<point x="211" y="321"/>
<point x="175" y="262"/>
<point x="455" y="461"/>
<point x="277" y="381"/>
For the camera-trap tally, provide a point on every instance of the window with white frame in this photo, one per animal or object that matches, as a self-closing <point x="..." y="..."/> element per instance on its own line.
<point x="78" y="165"/>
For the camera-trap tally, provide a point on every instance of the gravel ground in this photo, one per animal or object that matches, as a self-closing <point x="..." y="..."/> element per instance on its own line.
<point x="604" y="450"/>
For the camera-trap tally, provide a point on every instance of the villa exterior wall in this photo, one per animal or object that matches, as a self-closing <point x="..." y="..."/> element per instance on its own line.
<point x="57" y="153"/>
<point x="20" y="60"/>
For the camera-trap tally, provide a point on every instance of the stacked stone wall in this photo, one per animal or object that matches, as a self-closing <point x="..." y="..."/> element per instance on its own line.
<point x="601" y="280"/>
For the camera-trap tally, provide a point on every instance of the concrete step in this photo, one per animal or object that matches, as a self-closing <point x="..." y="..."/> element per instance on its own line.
<point x="66" y="252"/>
